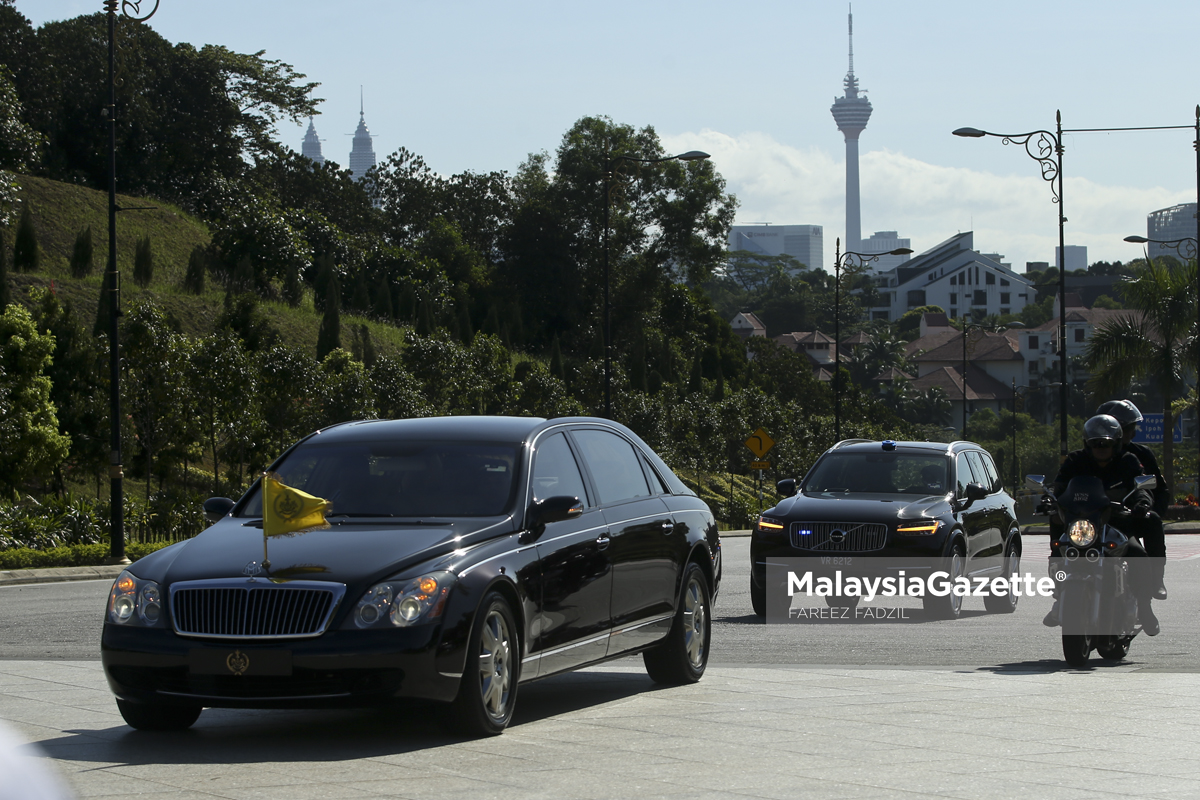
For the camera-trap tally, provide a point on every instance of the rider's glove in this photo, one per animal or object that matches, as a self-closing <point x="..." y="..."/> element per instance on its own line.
<point x="1046" y="506"/>
<point x="1141" y="507"/>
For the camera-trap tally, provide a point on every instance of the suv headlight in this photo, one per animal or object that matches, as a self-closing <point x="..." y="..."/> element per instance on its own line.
<point x="921" y="527"/>
<point x="1081" y="533"/>
<point x="768" y="525"/>
<point x="402" y="603"/>
<point x="134" y="601"/>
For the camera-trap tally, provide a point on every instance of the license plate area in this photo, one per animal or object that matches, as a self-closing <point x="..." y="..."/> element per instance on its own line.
<point x="237" y="661"/>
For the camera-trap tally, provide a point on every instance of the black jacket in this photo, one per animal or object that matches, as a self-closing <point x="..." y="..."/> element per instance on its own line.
<point x="1117" y="474"/>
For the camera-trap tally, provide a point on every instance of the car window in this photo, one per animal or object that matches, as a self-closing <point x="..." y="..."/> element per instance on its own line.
<point x="887" y="472"/>
<point x="656" y="483"/>
<point x="966" y="475"/>
<point x="613" y="464"/>
<point x="982" y="462"/>
<point x="401" y="479"/>
<point x="555" y="472"/>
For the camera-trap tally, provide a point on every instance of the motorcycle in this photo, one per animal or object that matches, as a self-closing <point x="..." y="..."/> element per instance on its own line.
<point x="1097" y="607"/>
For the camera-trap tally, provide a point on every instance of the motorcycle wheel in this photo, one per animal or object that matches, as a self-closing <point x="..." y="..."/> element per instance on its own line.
<point x="1114" y="649"/>
<point x="1075" y="651"/>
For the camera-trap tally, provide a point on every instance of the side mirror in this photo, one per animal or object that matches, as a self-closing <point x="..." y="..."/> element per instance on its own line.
<point x="786" y="487"/>
<point x="1036" y="482"/>
<point x="1146" y="482"/>
<point x="553" y="509"/>
<point x="216" y="507"/>
<point x="975" y="491"/>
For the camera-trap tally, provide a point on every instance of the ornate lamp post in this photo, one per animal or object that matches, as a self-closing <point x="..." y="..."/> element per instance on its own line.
<point x="610" y="162"/>
<point x="1046" y="148"/>
<point x="841" y="260"/>
<point x="130" y="9"/>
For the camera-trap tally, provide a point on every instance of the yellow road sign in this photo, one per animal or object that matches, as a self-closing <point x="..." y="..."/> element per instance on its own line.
<point x="760" y="443"/>
<point x="760" y="465"/>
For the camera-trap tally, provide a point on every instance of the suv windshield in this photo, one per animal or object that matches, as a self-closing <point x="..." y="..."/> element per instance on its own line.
<point x="888" y="473"/>
<point x="401" y="479"/>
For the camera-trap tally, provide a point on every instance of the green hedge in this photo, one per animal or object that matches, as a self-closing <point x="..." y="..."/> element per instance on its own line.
<point x="75" y="555"/>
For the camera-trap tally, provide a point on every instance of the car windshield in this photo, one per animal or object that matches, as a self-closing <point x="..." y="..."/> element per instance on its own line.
<point x="401" y="479"/>
<point x="886" y="472"/>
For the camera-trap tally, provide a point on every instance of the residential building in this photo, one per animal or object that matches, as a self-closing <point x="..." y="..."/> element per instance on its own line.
<point x="802" y="242"/>
<point x="747" y="324"/>
<point x="956" y="277"/>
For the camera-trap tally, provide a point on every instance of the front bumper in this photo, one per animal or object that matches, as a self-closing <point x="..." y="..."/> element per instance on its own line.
<point x="338" y="669"/>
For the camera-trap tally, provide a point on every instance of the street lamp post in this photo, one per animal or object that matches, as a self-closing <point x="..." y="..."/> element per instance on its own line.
<point x="131" y="10"/>
<point x="610" y="162"/>
<point x="840" y="260"/>
<point x="1046" y="148"/>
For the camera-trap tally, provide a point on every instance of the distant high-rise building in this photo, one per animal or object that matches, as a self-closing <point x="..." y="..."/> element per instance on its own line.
<point x="802" y="242"/>
<point x="1168" y="225"/>
<point x="885" y="242"/>
<point x="851" y="113"/>
<point x="311" y="147"/>
<point x="1075" y="257"/>
<point x="362" y="154"/>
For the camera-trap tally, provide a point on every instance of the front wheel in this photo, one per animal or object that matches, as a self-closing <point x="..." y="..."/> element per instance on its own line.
<point x="758" y="598"/>
<point x="158" y="716"/>
<point x="1005" y="603"/>
<point x="950" y="605"/>
<point x="683" y="655"/>
<point x="488" y="692"/>
<point x="1075" y="650"/>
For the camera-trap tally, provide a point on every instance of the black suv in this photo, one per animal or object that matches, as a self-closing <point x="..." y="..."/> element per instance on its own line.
<point x="895" y="499"/>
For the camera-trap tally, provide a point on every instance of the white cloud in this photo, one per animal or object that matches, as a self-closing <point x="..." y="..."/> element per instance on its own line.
<point x="1013" y="215"/>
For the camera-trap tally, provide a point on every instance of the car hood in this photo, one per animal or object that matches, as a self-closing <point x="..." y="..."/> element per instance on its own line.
<point x="344" y="553"/>
<point x="860" y="507"/>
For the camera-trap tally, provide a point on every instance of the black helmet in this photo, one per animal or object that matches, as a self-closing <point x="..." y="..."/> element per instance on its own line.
<point x="1124" y="411"/>
<point x="1101" y="431"/>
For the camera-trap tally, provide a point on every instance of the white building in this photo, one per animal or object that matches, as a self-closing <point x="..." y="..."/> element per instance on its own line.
<point x="802" y="242"/>
<point x="1076" y="257"/>
<point x="884" y="242"/>
<point x="956" y="277"/>
<point x="1169" y="225"/>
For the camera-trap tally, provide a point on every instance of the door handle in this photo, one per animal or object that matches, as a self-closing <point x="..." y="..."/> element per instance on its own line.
<point x="602" y="541"/>
<point x="668" y="527"/>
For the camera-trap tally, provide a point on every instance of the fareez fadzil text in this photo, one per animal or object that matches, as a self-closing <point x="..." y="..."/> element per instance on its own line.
<point x="937" y="584"/>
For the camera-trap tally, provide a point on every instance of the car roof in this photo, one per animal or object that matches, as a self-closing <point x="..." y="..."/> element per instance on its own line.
<point x="454" y="429"/>
<point x="868" y="446"/>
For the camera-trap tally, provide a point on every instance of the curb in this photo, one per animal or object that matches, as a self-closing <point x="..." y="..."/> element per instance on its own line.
<point x="17" y="577"/>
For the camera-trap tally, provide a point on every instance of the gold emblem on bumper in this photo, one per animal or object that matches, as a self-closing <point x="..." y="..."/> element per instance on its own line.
<point x="238" y="662"/>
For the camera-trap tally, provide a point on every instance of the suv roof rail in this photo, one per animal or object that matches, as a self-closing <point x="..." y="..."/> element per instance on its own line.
<point x="845" y="442"/>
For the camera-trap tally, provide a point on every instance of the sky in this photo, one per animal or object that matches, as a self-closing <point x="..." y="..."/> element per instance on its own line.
<point x="475" y="85"/>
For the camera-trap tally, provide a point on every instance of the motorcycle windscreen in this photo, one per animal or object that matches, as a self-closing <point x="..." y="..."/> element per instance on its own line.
<point x="1084" y="497"/>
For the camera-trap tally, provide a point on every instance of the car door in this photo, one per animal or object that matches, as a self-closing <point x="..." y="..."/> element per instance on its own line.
<point x="998" y="512"/>
<point x="974" y="517"/>
<point x="572" y="623"/>
<point x="643" y="539"/>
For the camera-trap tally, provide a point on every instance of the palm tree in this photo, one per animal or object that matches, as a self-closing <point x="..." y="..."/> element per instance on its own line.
<point x="1155" y="343"/>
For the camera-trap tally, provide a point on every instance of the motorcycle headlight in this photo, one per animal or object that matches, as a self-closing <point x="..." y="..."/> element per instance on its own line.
<point x="404" y="603"/>
<point x="134" y="601"/>
<point x="1082" y="533"/>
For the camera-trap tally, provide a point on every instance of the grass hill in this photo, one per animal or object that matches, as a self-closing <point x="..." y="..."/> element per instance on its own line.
<point x="61" y="210"/>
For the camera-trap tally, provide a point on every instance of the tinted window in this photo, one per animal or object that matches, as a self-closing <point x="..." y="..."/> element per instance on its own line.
<point x="555" y="472"/>
<point x="894" y="473"/>
<point x="656" y="483"/>
<point x="990" y="468"/>
<point x="614" y="466"/>
<point x="401" y="479"/>
<point x="965" y="475"/>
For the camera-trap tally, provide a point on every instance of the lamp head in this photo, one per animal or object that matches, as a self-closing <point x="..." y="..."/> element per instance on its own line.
<point x="692" y="155"/>
<point x="1136" y="239"/>
<point x="900" y="251"/>
<point x="970" y="133"/>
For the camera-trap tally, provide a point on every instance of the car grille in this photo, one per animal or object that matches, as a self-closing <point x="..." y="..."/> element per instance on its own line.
<point x="241" y="609"/>
<point x="839" y="537"/>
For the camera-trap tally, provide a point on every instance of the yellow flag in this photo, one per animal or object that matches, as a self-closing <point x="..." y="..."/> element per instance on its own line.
<point x="288" y="510"/>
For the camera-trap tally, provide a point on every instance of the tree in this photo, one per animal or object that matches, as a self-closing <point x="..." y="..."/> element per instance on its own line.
<point x="1155" y="344"/>
<point x="31" y="445"/>
<point x="329" y="337"/>
<point x="26" y="257"/>
<point x="193" y="279"/>
<point x="19" y="144"/>
<point x="81" y="255"/>
<point x="143" y="263"/>
<point x="3" y="273"/>
<point x="153" y="379"/>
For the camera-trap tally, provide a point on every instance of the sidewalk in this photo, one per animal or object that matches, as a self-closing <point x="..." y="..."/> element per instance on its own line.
<point x="14" y="577"/>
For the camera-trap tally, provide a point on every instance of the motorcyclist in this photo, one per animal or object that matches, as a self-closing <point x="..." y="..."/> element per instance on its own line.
<point x="1149" y="528"/>
<point x="1103" y="458"/>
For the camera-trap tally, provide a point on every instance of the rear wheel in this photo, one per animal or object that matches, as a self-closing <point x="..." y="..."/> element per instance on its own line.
<point x="488" y="692"/>
<point x="682" y="657"/>
<point x="158" y="716"/>
<point x="1075" y="650"/>
<point x="949" y="606"/>
<point x="1006" y="603"/>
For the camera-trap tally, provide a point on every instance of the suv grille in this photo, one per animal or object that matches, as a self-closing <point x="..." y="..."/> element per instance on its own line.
<point x="839" y="537"/>
<point x="241" y="609"/>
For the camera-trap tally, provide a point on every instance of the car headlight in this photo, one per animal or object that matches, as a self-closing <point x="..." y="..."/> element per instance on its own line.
<point x="403" y="603"/>
<point x="922" y="527"/>
<point x="134" y="601"/>
<point x="1081" y="533"/>
<point x="768" y="525"/>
